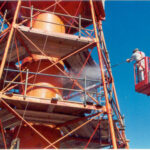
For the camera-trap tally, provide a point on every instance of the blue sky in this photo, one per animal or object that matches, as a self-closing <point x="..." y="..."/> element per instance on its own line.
<point x="127" y="26"/>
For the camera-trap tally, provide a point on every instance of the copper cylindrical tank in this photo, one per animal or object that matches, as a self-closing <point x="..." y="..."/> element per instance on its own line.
<point x="48" y="22"/>
<point x="36" y="63"/>
<point x="31" y="140"/>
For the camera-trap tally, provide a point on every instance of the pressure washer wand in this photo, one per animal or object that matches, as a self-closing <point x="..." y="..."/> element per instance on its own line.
<point x="118" y="64"/>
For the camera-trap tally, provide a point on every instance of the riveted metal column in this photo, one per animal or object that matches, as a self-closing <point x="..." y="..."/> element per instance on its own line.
<point x="108" y="107"/>
<point x="113" y="84"/>
<point x="9" y="39"/>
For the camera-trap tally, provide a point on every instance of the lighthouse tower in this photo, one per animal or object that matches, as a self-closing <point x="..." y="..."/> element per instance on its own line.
<point x="57" y="88"/>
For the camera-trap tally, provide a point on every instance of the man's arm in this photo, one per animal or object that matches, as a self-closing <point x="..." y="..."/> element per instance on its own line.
<point x="131" y="59"/>
<point x="128" y="60"/>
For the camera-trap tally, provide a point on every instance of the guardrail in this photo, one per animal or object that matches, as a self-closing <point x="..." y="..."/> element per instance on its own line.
<point x="80" y="19"/>
<point x="76" y="92"/>
<point x="141" y="71"/>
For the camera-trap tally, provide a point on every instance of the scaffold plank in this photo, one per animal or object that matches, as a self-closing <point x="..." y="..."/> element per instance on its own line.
<point x="58" y="44"/>
<point x="64" y="106"/>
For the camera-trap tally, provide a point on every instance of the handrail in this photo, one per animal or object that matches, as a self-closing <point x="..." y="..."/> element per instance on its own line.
<point x="57" y="24"/>
<point x="51" y="75"/>
<point x="59" y="14"/>
<point x="146" y="69"/>
<point x="26" y="84"/>
<point x="80" y="18"/>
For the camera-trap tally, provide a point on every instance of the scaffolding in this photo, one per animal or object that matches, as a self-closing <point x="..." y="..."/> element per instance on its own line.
<point x="88" y="113"/>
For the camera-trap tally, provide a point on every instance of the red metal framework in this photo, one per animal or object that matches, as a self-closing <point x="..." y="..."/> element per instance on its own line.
<point x="88" y="101"/>
<point x="142" y="86"/>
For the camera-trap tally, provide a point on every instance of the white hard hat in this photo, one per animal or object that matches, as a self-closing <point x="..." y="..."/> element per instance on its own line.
<point x="136" y="49"/>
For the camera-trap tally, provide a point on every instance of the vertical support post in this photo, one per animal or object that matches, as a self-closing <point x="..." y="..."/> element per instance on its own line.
<point x="31" y="17"/>
<point x="113" y="85"/>
<point x="26" y="83"/>
<point x="3" y="135"/>
<point x="108" y="107"/>
<point x="145" y="70"/>
<point x="85" y="91"/>
<point x="9" y="39"/>
<point x="116" y="98"/>
<point x="80" y="25"/>
<point x="15" y="144"/>
<point x="103" y="42"/>
<point x="148" y="59"/>
<point x="107" y="56"/>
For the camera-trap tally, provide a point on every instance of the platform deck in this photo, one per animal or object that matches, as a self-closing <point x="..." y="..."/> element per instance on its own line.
<point x="54" y="112"/>
<point x="57" y="44"/>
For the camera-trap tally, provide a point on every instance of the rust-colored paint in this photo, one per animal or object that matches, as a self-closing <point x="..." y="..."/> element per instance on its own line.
<point x="52" y="23"/>
<point x="108" y="107"/>
<point x="30" y="140"/>
<point x="57" y="6"/>
<point x="36" y="64"/>
<point x="10" y="75"/>
<point x="9" y="39"/>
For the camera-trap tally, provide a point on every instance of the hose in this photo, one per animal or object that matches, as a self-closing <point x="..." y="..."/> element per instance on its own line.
<point x="118" y="64"/>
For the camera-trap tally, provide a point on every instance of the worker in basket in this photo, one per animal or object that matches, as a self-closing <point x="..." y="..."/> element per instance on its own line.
<point x="138" y="57"/>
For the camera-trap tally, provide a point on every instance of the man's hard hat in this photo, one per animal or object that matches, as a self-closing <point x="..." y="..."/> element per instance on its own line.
<point x="136" y="49"/>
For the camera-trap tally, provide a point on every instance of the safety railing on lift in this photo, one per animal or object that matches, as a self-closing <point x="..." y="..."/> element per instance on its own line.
<point x="76" y="92"/>
<point x="79" y="18"/>
<point x="142" y="71"/>
<point x="115" y="112"/>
